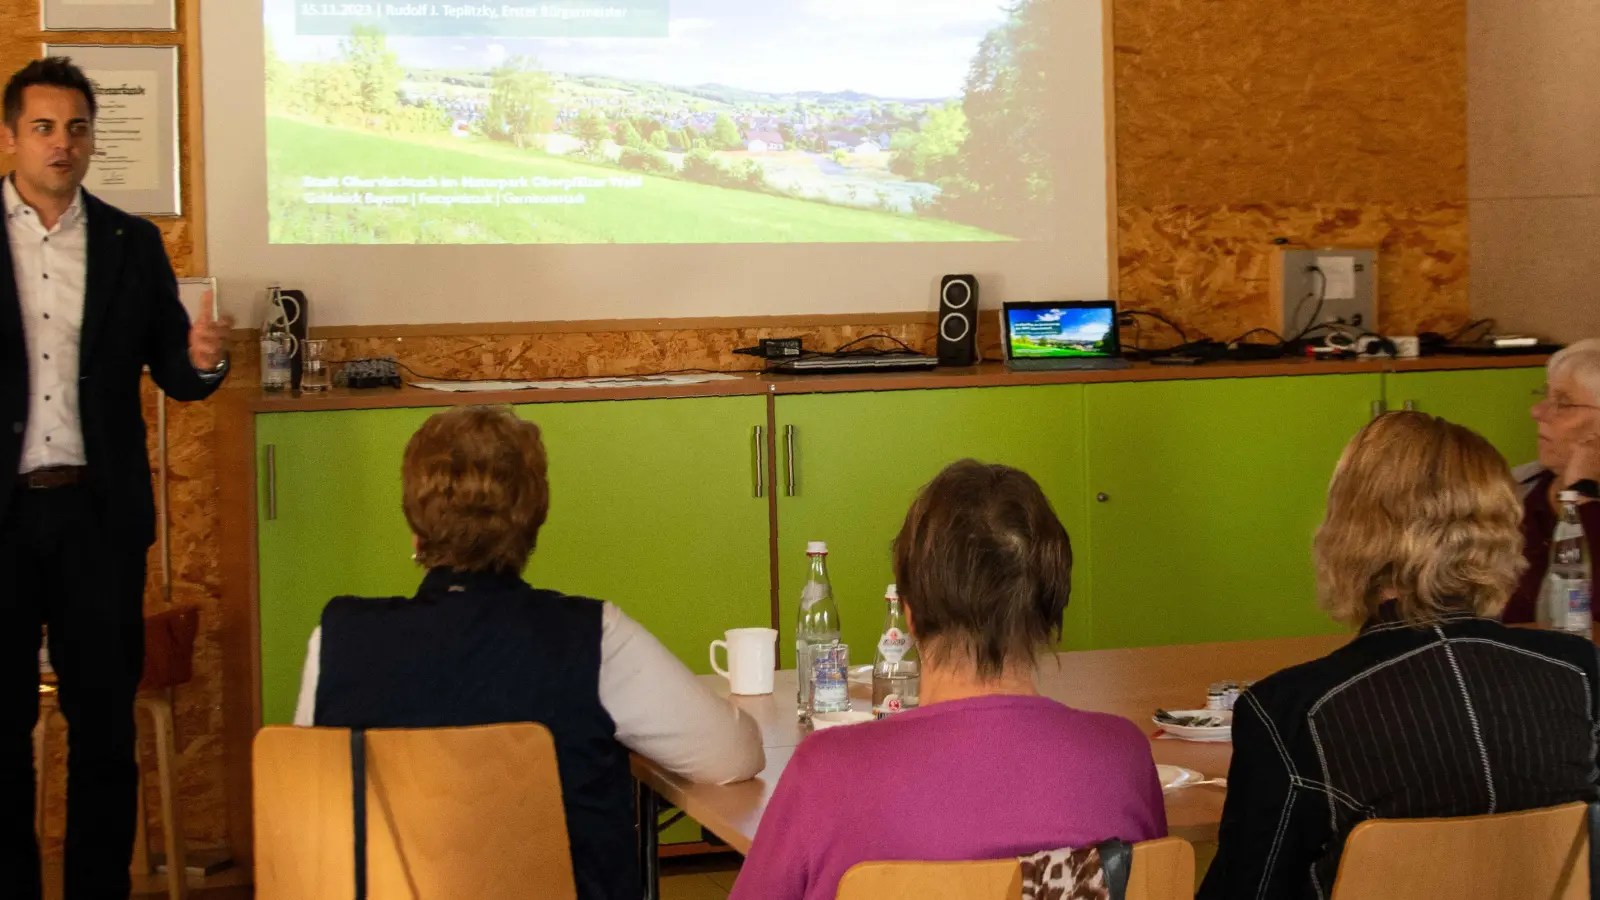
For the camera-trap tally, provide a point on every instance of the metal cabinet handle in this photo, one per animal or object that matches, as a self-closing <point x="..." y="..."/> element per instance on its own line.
<point x="788" y="460"/>
<point x="1102" y="497"/>
<point x="272" y="481"/>
<point x="1410" y="406"/>
<point x="761" y="461"/>
<point x="1379" y="408"/>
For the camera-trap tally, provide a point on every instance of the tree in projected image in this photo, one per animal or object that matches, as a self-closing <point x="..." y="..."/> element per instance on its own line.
<point x="519" y="102"/>
<point x="725" y="134"/>
<point x="934" y="152"/>
<point x="375" y="69"/>
<point x="593" y="132"/>
<point x="1007" y="163"/>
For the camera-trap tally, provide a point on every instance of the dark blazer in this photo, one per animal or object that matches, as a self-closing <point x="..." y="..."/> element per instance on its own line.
<point x="1464" y="717"/>
<point x="131" y="318"/>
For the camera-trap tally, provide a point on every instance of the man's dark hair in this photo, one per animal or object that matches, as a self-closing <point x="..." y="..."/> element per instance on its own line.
<point x="55" y="71"/>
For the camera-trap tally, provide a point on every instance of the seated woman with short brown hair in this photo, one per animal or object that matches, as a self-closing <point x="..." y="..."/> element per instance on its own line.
<point x="984" y="768"/>
<point x="478" y="646"/>
<point x="1434" y="709"/>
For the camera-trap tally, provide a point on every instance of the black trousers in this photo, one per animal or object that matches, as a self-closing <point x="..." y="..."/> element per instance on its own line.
<point x="61" y="567"/>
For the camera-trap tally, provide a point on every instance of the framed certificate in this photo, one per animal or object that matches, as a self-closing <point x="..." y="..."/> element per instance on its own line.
<point x="108" y="15"/>
<point x="135" y="165"/>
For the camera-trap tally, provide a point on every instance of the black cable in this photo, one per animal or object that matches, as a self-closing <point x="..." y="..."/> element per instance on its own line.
<point x="1464" y="330"/>
<point x="1151" y="314"/>
<point x="1253" y="331"/>
<point x="1322" y="296"/>
<point x="846" y="349"/>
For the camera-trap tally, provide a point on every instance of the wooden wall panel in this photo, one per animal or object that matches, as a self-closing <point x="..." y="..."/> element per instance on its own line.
<point x="1207" y="267"/>
<point x="1254" y="101"/>
<point x="1243" y="121"/>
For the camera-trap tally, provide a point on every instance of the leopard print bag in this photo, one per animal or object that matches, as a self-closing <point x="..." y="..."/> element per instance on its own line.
<point x="1092" y="873"/>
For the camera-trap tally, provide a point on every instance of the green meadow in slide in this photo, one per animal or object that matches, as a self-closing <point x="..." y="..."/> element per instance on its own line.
<point x="620" y="206"/>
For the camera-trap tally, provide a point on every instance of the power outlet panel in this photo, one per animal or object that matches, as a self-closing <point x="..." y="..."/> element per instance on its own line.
<point x="1345" y="280"/>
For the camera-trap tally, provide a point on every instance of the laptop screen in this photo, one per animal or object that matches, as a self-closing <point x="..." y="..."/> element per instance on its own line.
<point x="1064" y="330"/>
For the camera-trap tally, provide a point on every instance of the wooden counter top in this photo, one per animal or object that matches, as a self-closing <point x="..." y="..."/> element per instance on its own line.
<point x="754" y="383"/>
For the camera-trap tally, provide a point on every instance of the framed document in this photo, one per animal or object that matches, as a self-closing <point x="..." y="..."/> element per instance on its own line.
<point x="135" y="164"/>
<point x="108" y="15"/>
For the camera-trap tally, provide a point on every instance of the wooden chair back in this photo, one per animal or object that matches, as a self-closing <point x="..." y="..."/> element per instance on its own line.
<point x="451" y="813"/>
<point x="1161" y="870"/>
<point x="169" y="647"/>
<point x="1539" y="854"/>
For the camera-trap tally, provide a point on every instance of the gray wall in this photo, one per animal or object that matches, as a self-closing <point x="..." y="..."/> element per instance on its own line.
<point x="1533" y="92"/>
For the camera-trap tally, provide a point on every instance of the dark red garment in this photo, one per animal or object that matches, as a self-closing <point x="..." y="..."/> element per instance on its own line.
<point x="1538" y="525"/>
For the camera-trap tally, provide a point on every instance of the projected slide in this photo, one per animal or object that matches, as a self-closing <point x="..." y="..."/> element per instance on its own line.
<point x="660" y="121"/>
<point x="1047" y="333"/>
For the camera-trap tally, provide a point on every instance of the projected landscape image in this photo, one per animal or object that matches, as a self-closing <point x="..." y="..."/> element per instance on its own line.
<point x="632" y="121"/>
<point x="1050" y="333"/>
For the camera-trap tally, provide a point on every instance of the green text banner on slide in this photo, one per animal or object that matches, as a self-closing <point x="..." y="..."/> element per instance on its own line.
<point x="629" y="121"/>
<point x="502" y="18"/>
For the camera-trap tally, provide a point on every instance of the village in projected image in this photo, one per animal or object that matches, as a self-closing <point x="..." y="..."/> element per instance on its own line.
<point x="1060" y="332"/>
<point x="661" y="121"/>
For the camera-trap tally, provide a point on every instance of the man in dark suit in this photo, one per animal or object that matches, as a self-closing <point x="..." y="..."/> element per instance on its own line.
<point x="88" y="299"/>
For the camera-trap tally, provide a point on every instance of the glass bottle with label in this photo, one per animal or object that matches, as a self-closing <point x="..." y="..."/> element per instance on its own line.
<point x="896" y="670"/>
<point x="817" y="637"/>
<point x="1568" y="588"/>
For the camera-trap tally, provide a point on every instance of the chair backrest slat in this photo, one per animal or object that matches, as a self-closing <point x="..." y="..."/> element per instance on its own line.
<point x="451" y="813"/>
<point x="1161" y="870"/>
<point x="1539" y="854"/>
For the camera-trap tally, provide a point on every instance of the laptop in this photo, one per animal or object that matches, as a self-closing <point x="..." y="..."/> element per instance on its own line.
<point x="827" y="364"/>
<point x="1060" y="335"/>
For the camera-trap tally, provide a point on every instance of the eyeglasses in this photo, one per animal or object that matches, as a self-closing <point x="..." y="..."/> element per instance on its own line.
<point x="1542" y="396"/>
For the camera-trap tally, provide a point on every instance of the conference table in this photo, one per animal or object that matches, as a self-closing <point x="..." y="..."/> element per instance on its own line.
<point x="1131" y="683"/>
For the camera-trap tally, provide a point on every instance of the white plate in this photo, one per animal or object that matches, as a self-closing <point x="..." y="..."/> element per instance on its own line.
<point x="1174" y="777"/>
<point x="836" y="719"/>
<point x="1212" y="734"/>
<point x="861" y="674"/>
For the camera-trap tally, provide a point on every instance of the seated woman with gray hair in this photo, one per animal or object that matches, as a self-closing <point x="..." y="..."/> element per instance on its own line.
<point x="1568" y="417"/>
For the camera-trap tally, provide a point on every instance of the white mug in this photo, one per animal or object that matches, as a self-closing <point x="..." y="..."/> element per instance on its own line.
<point x="751" y="659"/>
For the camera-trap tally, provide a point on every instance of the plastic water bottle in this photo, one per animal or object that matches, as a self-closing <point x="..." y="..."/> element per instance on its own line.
<point x="896" y="671"/>
<point x="816" y="635"/>
<point x="1569" y="587"/>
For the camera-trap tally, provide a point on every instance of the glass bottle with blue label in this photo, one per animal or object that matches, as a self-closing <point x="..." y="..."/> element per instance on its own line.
<point x="816" y="641"/>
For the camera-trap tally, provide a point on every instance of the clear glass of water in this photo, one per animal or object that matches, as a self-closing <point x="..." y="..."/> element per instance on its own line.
<point x="314" y="373"/>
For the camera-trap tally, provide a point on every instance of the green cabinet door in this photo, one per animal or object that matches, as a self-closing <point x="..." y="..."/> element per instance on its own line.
<point x="652" y="508"/>
<point x="859" y="460"/>
<point x="337" y="529"/>
<point x="1496" y="403"/>
<point x="1206" y="495"/>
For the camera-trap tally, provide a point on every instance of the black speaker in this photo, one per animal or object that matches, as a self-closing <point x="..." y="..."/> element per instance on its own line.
<point x="958" y="321"/>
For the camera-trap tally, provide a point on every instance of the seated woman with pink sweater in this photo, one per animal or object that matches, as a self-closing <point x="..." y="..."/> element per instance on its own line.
<point x="985" y="768"/>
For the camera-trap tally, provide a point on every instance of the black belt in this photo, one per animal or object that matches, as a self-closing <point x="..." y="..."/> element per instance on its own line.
<point x="53" y="477"/>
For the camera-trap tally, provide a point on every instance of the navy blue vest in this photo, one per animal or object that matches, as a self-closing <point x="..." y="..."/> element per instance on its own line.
<point x="480" y="649"/>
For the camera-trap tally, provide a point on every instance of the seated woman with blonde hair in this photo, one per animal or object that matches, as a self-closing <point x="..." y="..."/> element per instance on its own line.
<point x="478" y="646"/>
<point x="1434" y="708"/>
<point x="985" y="768"/>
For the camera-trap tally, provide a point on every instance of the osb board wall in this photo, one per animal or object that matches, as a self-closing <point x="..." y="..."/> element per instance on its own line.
<point x="1324" y="124"/>
<point x="198" y="704"/>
